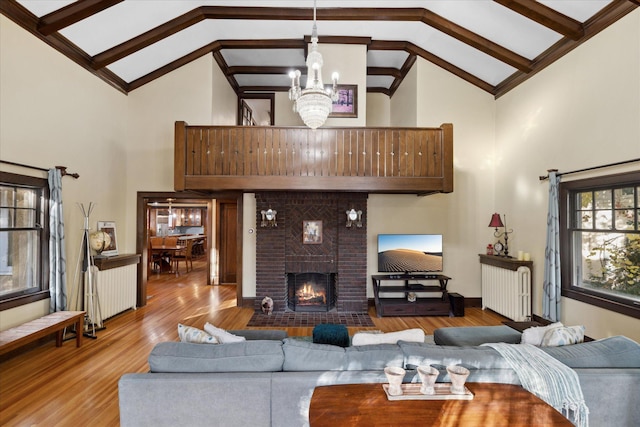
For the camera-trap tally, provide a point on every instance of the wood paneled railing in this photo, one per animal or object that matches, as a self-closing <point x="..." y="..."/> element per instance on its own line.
<point x="375" y="160"/>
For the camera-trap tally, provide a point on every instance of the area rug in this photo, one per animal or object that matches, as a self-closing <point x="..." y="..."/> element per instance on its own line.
<point x="305" y="320"/>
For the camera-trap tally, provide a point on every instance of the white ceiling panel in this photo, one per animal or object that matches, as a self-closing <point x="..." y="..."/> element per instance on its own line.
<point x="490" y="42"/>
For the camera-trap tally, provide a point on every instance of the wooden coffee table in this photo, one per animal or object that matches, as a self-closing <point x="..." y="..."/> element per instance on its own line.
<point x="492" y="405"/>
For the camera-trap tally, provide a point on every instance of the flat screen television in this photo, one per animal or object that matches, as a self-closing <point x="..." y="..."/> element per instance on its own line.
<point x="409" y="253"/>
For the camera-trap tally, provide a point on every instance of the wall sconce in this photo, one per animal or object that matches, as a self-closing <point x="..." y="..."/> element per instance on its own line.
<point x="354" y="217"/>
<point x="269" y="218"/>
<point x="497" y="223"/>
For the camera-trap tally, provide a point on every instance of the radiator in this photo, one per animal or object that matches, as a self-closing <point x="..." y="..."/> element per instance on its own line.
<point x="116" y="292"/>
<point x="507" y="292"/>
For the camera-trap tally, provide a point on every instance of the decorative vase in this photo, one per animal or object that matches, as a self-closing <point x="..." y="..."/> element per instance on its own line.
<point x="428" y="376"/>
<point x="458" y="376"/>
<point x="395" y="376"/>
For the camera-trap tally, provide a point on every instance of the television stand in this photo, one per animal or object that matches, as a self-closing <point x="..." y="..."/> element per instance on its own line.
<point x="391" y="294"/>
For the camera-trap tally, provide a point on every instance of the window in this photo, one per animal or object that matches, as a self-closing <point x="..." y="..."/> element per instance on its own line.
<point x="600" y="241"/>
<point x="24" y="237"/>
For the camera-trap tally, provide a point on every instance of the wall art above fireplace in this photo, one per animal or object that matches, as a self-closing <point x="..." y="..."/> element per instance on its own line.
<point x="312" y="232"/>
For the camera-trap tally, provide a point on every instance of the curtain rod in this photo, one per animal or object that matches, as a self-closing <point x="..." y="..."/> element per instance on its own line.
<point x="545" y="177"/>
<point x="63" y="169"/>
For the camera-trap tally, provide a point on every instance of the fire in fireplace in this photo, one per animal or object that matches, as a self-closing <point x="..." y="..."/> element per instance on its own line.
<point x="311" y="291"/>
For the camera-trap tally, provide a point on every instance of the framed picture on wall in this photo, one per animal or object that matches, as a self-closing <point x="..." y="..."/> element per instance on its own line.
<point x="311" y="232"/>
<point x="109" y="227"/>
<point x="347" y="103"/>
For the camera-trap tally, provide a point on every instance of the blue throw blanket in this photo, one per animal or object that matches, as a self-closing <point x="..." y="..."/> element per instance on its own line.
<point x="547" y="378"/>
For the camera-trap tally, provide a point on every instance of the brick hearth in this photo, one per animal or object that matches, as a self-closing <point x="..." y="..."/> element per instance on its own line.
<point x="279" y="250"/>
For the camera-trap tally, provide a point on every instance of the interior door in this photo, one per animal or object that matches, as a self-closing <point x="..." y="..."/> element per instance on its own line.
<point x="228" y="245"/>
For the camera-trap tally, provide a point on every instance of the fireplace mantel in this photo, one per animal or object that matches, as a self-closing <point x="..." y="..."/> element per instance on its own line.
<point x="256" y="158"/>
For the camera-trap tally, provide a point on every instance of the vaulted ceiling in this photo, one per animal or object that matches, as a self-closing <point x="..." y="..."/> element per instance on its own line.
<point x="494" y="45"/>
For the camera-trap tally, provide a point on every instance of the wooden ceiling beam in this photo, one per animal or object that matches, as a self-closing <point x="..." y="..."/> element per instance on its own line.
<point x="408" y="64"/>
<point x="546" y="16"/>
<point x="607" y="16"/>
<point x="72" y="13"/>
<point x="334" y="14"/>
<point x="384" y="71"/>
<point x="474" y="40"/>
<point x="27" y="20"/>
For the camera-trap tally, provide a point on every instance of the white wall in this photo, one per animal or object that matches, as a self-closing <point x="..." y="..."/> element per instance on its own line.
<point x="582" y="111"/>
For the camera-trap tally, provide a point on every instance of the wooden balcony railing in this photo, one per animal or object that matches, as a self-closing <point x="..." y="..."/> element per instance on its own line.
<point x="375" y="160"/>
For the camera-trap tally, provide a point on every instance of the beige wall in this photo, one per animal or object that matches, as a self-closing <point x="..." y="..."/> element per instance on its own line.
<point x="378" y="110"/>
<point x="53" y="112"/>
<point x="582" y="111"/>
<point x="462" y="216"/>
<point x="350" y="61"/>
<point x="60" y="114"/>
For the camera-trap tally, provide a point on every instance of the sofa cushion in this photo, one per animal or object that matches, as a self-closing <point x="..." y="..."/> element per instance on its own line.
<point x="374" y="357"/>
<point x="476" y="335"/>
<point x="612" y="352"/>
<point x="416" y="354"/>
<point x="367" y="338"/>
<point x="261" y="334"/>
<point x="247" y="356"/>
<point x="301" y="355"/>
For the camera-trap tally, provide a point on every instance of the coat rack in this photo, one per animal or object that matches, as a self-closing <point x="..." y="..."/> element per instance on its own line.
<point x="87" y="289"/>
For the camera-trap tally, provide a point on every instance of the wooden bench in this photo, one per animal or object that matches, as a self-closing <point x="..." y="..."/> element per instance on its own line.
<point x="18" y="336"/>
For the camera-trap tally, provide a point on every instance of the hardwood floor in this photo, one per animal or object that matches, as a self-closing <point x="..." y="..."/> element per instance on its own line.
<point x="71" y="386"/>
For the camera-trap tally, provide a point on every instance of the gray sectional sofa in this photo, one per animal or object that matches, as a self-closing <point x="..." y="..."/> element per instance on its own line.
<point x="270" y="382"/>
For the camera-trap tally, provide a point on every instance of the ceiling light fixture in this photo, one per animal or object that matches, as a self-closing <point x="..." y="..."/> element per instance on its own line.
<point x="313" y="103"/>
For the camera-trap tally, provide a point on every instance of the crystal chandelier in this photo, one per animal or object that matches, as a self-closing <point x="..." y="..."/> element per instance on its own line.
<point x="313" y="103"/>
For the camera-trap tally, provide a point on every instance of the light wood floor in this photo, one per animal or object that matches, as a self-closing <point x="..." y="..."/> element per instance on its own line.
<point x="67" y="386"/>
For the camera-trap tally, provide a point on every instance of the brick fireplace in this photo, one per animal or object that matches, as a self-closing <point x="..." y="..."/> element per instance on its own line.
<point x="342" y="255"/>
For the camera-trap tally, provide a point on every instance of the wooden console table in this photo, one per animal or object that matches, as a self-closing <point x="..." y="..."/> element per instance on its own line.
<point x="396" y="303"/>
<point x="492" y="405"/>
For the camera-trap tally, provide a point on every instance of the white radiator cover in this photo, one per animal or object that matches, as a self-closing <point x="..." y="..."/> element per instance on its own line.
<point x="116" y="291"/>
<point x="507" y="292"/>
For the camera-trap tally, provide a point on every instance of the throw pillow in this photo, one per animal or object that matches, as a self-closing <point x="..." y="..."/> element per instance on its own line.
<point x="328" y="333"/>
<point x="563" y="336"/>
<point x="221" y="335"/>
<point x="194" y="335"/>
<point x="410" y="335"/>
<point x="535" y="334"/>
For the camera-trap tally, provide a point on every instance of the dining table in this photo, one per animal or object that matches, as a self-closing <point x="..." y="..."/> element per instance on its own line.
<point x="166" y="252"/>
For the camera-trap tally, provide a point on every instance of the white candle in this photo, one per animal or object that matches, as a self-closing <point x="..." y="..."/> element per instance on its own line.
<point x="527" y="256"/>
<point x="520" y="256"/>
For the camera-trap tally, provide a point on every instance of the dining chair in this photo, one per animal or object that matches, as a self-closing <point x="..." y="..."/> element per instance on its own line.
<point x="154" y="257"/>
<point x="186" y="255"/>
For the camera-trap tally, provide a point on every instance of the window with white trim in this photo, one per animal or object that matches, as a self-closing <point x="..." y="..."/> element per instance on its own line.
<point x="600" y="241"/>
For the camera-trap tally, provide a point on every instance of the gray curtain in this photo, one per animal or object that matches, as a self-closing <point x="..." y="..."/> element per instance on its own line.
<point x="57" y="256"/>
<point x="552" y="282"/>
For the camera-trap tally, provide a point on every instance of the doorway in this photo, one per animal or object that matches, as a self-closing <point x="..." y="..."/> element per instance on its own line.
<point x="227" y="243"/>
<point x="162" y="212"/>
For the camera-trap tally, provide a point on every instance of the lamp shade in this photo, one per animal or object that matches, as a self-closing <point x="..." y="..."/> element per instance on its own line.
<point x="496" y="221"/>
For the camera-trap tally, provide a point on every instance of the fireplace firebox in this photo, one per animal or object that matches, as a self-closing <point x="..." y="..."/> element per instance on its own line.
<point x="311" y="291"/>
